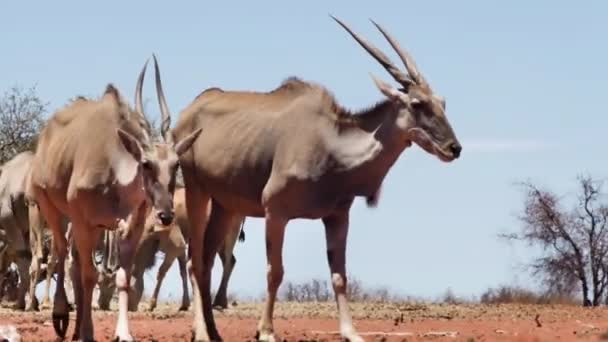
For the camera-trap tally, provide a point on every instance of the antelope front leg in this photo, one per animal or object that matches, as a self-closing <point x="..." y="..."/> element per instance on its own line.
<point x="181" y="261"/>
<point x="219" y="220"/>
<point x="60" y="313"/>
<point x="221" y="297"/>
<point x="136" y="290"/>
<point x="1" y="285"/>
<point x="84" y="277"/>
<point x="160" y="276"/>
<point x="228" y="262"/>
<point x="23" y="265"/>
<point x="50" y="270"/>
<point x="199" y="330"/>
<point x="275" y="233"/>
<point x="60" y="301"/>
<point x="32" y="305"/>
<point x="23" y="259"/>
<point x="336" y="232"/>
<point x="107" y="285"/>
<point x="198" y="207"/>
<point x="36" y="246"/>
<point x="76" y="275"/>
<point x="3" y="243"/>
<point x="34" y="274"/>
<point x="127" y="246"/>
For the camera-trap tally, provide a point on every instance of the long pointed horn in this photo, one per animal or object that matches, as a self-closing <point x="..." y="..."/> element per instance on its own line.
<point x="138" y="89"/>
<point x="397" y="74"/>
<point x="406" y="58"/>
<point x="164" y="109"/>
<point x="139" y="108"/>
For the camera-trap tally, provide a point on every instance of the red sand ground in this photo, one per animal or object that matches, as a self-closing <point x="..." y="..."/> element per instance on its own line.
<point x="375" y="322"/>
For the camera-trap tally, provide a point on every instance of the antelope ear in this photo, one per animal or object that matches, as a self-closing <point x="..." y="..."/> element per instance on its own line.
<point x="130" y="144"/>
<point x="441" y="100"/>
<point x="184" y="144"/>
<point x="389" y="91"/>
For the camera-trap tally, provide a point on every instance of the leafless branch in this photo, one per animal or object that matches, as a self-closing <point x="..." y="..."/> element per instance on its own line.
<point x="21" y="119"/>
<point x="574" y="241"/>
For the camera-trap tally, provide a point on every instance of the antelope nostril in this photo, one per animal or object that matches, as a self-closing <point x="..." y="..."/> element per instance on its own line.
<point x="455" y="148"/>
<point x="165" y="218"/>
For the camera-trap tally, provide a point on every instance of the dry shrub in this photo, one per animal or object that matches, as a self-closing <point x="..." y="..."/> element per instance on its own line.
<point x="313" y="291"/>
<point x="572" y="239"/>
<point x="512" y="294"/>
<point x="317" y="290"/>
<point x="450" y="298"/>
<point x="21" y="118"/>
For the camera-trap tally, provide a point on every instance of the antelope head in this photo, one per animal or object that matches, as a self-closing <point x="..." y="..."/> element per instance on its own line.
<point x="158" y="161"/>
<point x="421" y="114"/>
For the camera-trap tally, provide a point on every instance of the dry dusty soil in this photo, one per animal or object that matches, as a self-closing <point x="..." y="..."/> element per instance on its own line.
<point x="375" y="322"/>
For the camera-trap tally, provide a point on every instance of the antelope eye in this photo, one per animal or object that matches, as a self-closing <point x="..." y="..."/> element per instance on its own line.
<point x="422" y="108"/>
<point x="418" y="106"/>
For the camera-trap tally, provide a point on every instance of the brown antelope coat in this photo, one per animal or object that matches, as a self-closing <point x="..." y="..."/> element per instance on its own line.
<point x="294" y="152"/>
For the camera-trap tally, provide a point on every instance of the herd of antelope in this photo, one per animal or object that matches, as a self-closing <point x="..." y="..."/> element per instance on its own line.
<point x="102" y="184"/>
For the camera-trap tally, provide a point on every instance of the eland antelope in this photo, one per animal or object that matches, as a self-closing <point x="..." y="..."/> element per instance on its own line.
<point x="97" y="165"/>
<point x="295" y="152"/>
<point x="172" y="242"/>
<point x="18" y="225"/>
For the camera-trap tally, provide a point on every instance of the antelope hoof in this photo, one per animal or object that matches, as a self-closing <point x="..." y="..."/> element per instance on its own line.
<point x="33" y="305"/>
<point x="266" y="337"/>
<point x="31" y="308"/>
<point x="352" y="337"/>
<point x="356" y="338"/>
<point x="60" y="323"/>
<point x="193" y="338"/>
<point x="220" y="305"/>
<point x="45" y="304"/>
<point x="19" y="307"/>
<point x="118" y="339"/>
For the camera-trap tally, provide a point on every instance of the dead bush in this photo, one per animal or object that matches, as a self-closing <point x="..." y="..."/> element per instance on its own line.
<point x="517" y="295"/>
<point x="317" y="290"/>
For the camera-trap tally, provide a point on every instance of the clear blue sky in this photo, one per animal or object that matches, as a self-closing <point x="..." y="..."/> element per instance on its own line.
<point x="525" y="83"/>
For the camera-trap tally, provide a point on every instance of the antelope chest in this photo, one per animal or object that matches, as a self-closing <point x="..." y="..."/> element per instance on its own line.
<point x="310" y="201"/>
